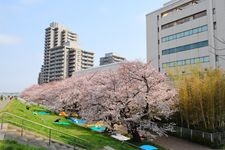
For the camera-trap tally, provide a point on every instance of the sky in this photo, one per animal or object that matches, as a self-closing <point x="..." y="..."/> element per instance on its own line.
<point x="102" y="26"/>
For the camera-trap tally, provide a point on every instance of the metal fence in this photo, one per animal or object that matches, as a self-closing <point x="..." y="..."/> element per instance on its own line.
<point x="50" y="133"/>
<point x="216" y="138"/>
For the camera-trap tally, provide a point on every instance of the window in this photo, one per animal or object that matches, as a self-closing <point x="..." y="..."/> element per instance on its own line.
<point x="195" y="31"/>
<point x="183" y="20"/>
<point x="175" y="64"/>
<point x="179" y="35"/>
<point x="201" y="59"/>
<point x="173" y="50"/>
<point x="199" y="15"/>
<point x="204" y="28"/>
<point x="165" y="14"/>
<point x="185" y="33"/>
<point x="171" y="64"/>
<point x="164" y="65"/>
<point x="192" y="61"/>
<point x="197" y="60"/>
<point x="164" y="52"/>
<point x="181" y="7"/>
<point x="188" y="62"/>
<point x="179" y="63"/>
<point x="182" y="34"/>
<point x="206" y="59"/>
<point x="168" y="25"/>
<point x="185" y="47"/>
<point x="170" y="38"/>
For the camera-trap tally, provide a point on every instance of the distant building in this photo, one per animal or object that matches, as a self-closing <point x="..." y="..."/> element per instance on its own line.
<point x="94" y="70"/>
<point x="62" y="54"/>
<point x="110" y="58"/>
<point x="187" y="32"/>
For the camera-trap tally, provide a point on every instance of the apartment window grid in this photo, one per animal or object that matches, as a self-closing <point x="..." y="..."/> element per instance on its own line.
<point x="185" y="62"/>
<point x="185" y="33"/>
<point x="185" y="47"/>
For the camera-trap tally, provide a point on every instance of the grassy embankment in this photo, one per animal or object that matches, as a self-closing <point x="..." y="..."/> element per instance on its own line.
<point x="12" y="145"/>
<point x="96" y="140"/>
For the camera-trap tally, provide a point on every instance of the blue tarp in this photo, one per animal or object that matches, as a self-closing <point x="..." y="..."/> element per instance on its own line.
<point x="43" y="113"/>
<point x="78" y="121"/>
<point x="98" y="128"/>
<point x="148" y="147"/>
<point x="40" y="113"/>
<point x="62" y="123"/>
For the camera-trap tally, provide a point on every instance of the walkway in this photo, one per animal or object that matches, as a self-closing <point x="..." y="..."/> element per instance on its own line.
<point x="174" y="143"/>
<point x="3" y="103"/>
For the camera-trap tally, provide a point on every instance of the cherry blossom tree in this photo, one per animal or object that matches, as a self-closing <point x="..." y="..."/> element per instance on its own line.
<point x="135" y="96"/>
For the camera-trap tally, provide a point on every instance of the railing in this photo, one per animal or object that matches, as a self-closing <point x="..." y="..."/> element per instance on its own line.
<point x="50" y="133"/>
<point x="215" y="139"/>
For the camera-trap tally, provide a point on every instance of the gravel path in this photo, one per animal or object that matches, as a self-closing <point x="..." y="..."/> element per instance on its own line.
<point x="174" y="143"/>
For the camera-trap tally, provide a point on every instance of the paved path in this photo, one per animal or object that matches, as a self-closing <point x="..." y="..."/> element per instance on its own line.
<point x="174" y="143"/>
<point x="3" y="103"/>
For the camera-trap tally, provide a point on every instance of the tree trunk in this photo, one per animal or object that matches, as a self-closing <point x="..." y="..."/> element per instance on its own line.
<point x="135" y="135"/>
<point x="132" y="129"/>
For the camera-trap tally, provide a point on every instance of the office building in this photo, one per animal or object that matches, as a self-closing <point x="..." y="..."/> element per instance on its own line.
<point x="62" y="54"/>
<point x="110" y="58"/>
<point x="187" y="32"/>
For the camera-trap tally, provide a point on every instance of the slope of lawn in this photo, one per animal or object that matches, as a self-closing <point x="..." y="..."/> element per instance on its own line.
<point x="96" y="140"/>
<point x="12" y="145"/>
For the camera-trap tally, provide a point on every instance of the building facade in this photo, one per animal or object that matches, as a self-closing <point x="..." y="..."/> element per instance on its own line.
<point x="62" y="54"/>
<point x="96" y="70"/>
<point x="110" y="58"/>
<point x="187" y="32"/>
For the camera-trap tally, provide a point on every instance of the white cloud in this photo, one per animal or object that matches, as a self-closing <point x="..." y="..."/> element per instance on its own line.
<point x="10" y="40"/>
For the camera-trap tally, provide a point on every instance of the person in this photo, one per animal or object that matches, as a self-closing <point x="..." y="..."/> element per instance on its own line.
<point x="28" y="107"/>
<point x="57" y="120"/>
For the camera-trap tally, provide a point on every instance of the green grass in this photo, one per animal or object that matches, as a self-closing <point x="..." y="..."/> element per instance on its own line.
<point x="12" y="145"/>
<point x="97" y="140"/>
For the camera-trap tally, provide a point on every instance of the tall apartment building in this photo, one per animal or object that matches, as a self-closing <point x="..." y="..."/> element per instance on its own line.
<point x="110" y="58"/>
<point x="187" y="32"/>
<point x="62" y="54"/>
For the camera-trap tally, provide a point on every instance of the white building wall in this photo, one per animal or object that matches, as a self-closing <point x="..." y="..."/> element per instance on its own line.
<point x="155" y="32"/>
<point x="152" y="39"/>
